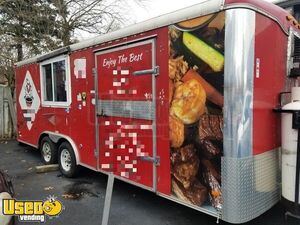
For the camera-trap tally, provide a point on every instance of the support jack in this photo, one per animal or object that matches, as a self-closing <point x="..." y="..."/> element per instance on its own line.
<point x="108" y="196"/>
<point x="289" y="214"/>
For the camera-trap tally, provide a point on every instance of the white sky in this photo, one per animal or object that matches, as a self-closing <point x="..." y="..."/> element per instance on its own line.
<point x="155" y="8"/>
<point x="158" y="7"/>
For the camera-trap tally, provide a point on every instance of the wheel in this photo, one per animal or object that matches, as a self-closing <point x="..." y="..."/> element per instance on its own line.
<point x="48" y="151"/>
<point x="67" y="160"/>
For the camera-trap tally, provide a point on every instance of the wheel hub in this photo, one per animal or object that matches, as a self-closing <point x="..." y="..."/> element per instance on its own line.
<point x="65" y="159"/>
<point x="46" y="152"/>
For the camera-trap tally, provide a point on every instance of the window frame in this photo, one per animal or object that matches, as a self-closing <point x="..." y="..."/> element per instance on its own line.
<point x="293" y="34"/>
<point x="54" y="103"/>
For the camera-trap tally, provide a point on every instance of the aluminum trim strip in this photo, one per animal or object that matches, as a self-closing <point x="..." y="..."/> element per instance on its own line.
<point x="127" y="43"/>
<point x="123" y="46"/>
<point x="97" y="132"/>
<point x="26" y="143"/>
<point x="88" y="166"/>
<point x="154" y="134"/>
<point x="238" y="82"/>
<point x="290" y="50"/>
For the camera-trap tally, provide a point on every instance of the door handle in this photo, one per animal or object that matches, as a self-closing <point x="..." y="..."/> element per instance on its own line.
<point x="155" y="160"/>
<point x="154" y="71"/>
<point x="102" y="114"/>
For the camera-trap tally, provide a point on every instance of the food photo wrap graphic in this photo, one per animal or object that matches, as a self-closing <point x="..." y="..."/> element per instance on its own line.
<point x="196" y="87"/>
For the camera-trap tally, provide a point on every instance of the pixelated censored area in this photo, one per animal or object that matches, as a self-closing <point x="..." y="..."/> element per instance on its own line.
<point x="124" y="141"/>
<point x="116" y="79"/>
<point x="120" y="80"/>
<point x="250" y="186"/>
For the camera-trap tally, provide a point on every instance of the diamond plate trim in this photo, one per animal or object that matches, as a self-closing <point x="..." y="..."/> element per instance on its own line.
<point x="127" y="109"/>
<point x="250" y="186"/>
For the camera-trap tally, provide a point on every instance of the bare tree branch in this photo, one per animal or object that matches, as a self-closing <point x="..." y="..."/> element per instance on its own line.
<point x="32" y="27"/>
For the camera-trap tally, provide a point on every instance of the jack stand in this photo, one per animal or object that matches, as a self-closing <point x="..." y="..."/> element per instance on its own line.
<point x="108" y="196"/>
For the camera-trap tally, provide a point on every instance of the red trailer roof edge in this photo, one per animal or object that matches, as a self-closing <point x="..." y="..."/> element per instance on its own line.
<point x="265" y="8"/>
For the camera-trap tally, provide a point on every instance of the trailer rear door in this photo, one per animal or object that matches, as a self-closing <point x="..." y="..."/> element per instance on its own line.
<point x="126" y="124"/>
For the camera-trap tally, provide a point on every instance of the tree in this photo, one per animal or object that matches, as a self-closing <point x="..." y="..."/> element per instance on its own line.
<point x="92" y="16"/>
<point x="28" y="23"/>
<point x="43" y="25"/>
<point x="7" y="60"/>
<point x="31" y="27"/>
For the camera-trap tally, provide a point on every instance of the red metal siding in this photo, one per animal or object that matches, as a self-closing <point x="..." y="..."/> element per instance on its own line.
<point x="82" y="118"/>
<point x="162" y="113"/>
<point x="79" y="121"/>
<point x="271" y="49"/>
<point x="24" y="134"/>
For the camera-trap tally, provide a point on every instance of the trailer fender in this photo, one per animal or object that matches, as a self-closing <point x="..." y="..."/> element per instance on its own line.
<point x="55" y="137"/>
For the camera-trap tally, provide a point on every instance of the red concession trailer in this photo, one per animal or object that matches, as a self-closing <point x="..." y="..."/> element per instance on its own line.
<point x="180" y="105"/>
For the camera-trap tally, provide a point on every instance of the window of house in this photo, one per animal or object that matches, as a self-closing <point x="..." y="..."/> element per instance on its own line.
<point x="55" y="82"/>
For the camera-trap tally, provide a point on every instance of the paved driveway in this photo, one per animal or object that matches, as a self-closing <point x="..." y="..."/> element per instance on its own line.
<point x="84" y="196"/>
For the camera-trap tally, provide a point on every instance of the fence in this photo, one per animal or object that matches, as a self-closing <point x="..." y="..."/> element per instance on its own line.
<point x="7" y="114"/>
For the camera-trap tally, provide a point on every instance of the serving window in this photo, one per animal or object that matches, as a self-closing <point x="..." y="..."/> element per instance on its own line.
<point x="293" y="63"/>
<point x="55" y="82"/>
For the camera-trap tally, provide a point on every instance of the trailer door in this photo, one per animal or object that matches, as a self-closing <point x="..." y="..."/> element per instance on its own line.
<point x="126" y="127"/>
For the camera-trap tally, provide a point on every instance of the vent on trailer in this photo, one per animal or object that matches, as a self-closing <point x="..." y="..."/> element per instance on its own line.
<point x="295" y="56"/>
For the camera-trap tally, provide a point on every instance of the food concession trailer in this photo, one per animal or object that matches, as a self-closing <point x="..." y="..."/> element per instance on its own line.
<point x="180" y="105"/>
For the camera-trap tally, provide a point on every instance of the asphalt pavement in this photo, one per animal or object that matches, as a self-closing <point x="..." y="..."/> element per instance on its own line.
<point x="83" y="197"/>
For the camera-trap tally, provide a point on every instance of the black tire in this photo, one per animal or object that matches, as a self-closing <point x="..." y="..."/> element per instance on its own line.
<point x="21" y="144"/>
<point x="67" y="160"/>
<point x="48" y="151"/>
